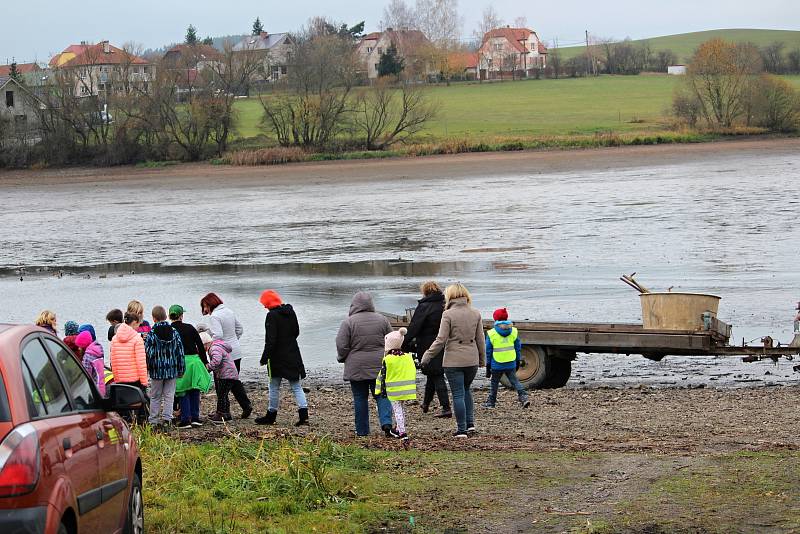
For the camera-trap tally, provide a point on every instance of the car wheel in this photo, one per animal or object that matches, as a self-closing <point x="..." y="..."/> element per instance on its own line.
<point x="134" y="524"/>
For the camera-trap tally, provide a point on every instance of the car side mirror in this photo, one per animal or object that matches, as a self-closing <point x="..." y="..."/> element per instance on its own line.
<point x="124" y="397"/>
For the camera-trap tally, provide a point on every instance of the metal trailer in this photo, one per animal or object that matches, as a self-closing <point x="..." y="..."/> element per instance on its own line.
<point x="549" y="348"/>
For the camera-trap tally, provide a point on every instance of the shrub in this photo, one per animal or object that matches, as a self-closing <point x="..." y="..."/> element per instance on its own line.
<point x="776" y="104"/>
<point x="266" y="156"/>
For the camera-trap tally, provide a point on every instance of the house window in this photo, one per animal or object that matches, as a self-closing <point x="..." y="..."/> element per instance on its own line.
<point x="9" y="99"/>
<point x="370" y="49"/>
<point x="498" y="46"/>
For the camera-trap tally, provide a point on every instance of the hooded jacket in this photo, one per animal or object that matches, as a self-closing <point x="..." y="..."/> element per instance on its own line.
<point x="281" y="352"/>
<point x="164" y="349"/>
<point x="127" y="357"/>
<point x="224" y="325"/>
<point x="423" y="328"/>
<point x="220" y="361"/>
<point x="460" y="335"/>
<point x="504" y="329"/>
<point x="95" y="365"/>
<point x="359" y="343"/>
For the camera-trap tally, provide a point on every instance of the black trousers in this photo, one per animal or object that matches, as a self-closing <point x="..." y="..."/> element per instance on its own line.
<point x="238" y="390"/>
<point x="223" y="387"/>
<point x="435" y="383"/>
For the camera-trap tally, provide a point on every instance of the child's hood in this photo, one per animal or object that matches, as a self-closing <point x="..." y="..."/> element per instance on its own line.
<point x="503" y="327"/>
<point x="125" y="333"/>
<point x="95" y="350"/>
<point x="222" y="344"/>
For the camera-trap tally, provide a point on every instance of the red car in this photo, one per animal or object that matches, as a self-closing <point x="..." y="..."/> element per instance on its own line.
<point x="68" y="462"/>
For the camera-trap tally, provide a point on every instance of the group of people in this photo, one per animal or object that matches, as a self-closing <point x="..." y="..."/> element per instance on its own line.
<point x="171" y="359"/>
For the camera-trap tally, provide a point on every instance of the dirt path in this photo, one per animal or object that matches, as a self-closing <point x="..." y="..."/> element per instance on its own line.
<point x="593" y="420"/>
<point x="460" y="165"/>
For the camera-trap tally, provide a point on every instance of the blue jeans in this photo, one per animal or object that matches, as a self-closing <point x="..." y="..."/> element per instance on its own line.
<point x="460" y="380"/>
<point x="190" y="406"/>
<point x="361" y="391"/>
<point x="512" y="379"/>
<point x="275" y="393"/>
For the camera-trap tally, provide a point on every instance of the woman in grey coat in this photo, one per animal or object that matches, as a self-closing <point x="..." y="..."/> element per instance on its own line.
<point x="359" y="345"/>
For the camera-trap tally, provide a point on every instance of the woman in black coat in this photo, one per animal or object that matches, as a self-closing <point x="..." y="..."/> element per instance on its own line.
<point x="422" y="332"/>
<point x="282" y="357"/>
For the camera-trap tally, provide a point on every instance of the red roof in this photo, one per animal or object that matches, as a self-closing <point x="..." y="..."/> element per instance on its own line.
<point x="513" y="36"/>
<point x="96" y="55"/>
<point x="374" y="36"/>
<point x="22" y="68"/>
<point x="199" y="52"/>
<point x="468" y="59"/>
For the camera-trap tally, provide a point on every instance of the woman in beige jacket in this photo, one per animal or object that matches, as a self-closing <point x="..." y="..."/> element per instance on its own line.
<point x="461" y="337"/>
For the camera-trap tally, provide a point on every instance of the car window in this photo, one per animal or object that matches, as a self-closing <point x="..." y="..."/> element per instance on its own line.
<point x="78" y="383"/>
<point x="5" y="415"/>
<point x="46" y="389"/>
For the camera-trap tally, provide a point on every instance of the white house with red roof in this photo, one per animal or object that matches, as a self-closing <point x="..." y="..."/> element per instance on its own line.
<point x="509" y="51"/>
<point x="102" y="68"/>
<point x="411" y="46"/>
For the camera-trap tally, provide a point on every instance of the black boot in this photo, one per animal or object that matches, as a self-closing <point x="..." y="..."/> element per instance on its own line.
<point x="303" y="420"/>
<point x="268" y="419"/>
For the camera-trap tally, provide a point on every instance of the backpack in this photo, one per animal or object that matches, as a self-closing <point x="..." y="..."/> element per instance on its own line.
<point x="164" y="358"/>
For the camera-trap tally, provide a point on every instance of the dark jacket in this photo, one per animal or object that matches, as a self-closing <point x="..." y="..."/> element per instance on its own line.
<point x="164" y="350"/>
<point x="190" y="337"/>
<point x="281" y="352"/>
<point x="423" y="329"/>
<point x="359" y="343"/>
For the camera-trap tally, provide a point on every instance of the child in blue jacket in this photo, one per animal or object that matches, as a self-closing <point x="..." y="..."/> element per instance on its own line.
<point x="503" y="356"/>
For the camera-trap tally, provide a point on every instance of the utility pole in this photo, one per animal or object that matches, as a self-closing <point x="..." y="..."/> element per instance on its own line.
<point x="589" y="59"/>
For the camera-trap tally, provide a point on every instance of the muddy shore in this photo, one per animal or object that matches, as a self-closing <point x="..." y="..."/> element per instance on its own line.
<point x="635" y="419"/>
<point x="459" y="165"/>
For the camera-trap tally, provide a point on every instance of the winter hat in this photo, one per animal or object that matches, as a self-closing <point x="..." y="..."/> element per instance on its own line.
<point x="84" y="339"/>
<point x="500" y="314"/>
<point x="205" y="337"/>
<point x="71" y="328"/>
<point x="270" y="299"/>
<point x="88" y="328"/>
<point x="394" y="340"/>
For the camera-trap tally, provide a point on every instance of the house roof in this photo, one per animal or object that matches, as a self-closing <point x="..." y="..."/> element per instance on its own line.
<point x="407" y="41"/>
<point x="515" y="36"/>
<point x="468" y="59"/>
<point x="6" y="81"/>
<point x="263" y="41"/>
<point x="22" y="68"/>
<point x="198" y="52"/>
<point x="374" y="36"/>
<point x="81" y="55"/>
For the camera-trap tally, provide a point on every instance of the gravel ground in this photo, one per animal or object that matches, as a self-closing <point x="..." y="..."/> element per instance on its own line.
<point x="629" y="419"/>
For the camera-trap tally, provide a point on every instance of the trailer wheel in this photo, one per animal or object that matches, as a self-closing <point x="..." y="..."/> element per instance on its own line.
<point x="560" y="371"/>
<point x="534" y="368"/>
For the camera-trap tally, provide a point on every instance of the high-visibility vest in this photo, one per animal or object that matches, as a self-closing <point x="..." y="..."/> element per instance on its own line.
<point x="503" y="346"/>
<point x="401" y="377"/>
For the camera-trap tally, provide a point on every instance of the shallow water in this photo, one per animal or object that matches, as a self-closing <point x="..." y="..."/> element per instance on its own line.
<point x="548" y="246"/>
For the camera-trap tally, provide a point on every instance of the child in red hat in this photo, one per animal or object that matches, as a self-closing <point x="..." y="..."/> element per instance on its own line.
<point x="503" y="357"/>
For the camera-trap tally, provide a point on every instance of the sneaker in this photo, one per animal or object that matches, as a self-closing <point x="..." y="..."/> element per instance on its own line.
<point x="406" y="441"/>
<point x="219" y="419"/>
<point x="246" y="412"/>
<point x="196" y="424"/>
<point x="525" y="403"/>
<point x="390" y="432"/>
<point x="444" y="414"/>
<point x="425" y="407"/>
<point x="488" y="405"/>
<point x="183" y="425"/>
<point x="460" y="434"/>
<point x="471" y="429"/>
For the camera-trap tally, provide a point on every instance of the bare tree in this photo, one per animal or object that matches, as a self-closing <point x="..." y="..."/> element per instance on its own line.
<point x="399" y="15"/>
<point x="772" y="57"/>
<point x="385" y="115"/>
<point x="439" y="20"/>
<point x="489" y="21"/>
<point x="521" y="22"/>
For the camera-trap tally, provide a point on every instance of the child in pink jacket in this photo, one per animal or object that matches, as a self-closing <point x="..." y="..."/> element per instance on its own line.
<point x="93" y="360"/>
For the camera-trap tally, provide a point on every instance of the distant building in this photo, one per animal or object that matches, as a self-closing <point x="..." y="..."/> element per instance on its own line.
<point x="466" y="62"/>
<point x="31" y="73"/>
<point x="412" y="46"/>
<point x="274" y="47"/>
<point x="19" y="110"/>
<point x="511" y="51"/>
<point x="197" y="56"/>
<point x="102" y="69"/>
<point x="676" y="70"/>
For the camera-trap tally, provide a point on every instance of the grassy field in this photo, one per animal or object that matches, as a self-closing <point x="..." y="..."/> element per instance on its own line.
<point x="535" y="107"/>
<point x="684" y="44"/>
<point x="249" y="485"/>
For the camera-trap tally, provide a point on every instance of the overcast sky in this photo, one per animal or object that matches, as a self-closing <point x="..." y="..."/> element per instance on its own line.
<point x="37" y="29"/>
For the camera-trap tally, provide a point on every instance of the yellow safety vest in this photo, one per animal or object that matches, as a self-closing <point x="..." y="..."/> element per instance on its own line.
<point x="503" y="346"/>
<point x="400" y="379"/>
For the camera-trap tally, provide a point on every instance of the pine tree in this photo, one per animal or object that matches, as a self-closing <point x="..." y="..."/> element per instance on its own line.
<point x="208" y="41"/>
<point x="191" y="35"/>
<point x="390" y="63"/>
<point x="14" y="72"/>
<point x="258" y="27"/>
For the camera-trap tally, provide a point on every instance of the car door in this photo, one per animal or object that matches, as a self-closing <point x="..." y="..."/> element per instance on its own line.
<point x="67" y="439"/>
<point x="111" y="454"/>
